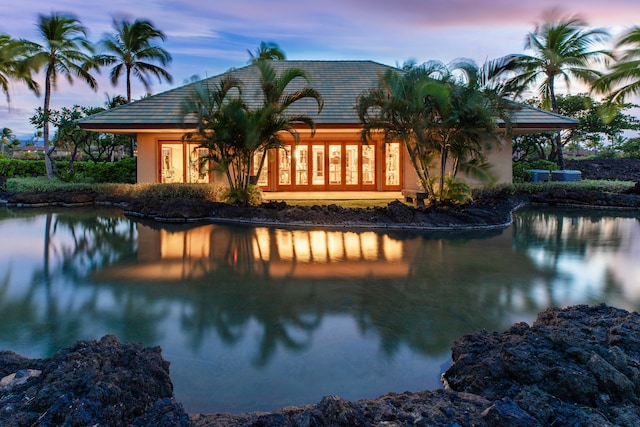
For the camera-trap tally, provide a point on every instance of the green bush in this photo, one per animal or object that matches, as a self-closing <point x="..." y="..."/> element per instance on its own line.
<point x="520" y="168"/>
<point x="253" y="196"/>
<point x="43" y="184"/>
<point x="10" y="168"/>
<point x="123" y="171"/>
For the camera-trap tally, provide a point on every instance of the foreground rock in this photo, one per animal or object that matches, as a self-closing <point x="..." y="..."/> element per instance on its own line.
<point x="91" y="383"/>
<point x="572" y="367"/>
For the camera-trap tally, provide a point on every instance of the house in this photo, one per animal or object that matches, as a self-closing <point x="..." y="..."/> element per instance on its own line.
<point x="334" y="159"/>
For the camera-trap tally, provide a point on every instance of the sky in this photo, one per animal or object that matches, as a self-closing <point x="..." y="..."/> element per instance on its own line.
<point x="206" y="38"/>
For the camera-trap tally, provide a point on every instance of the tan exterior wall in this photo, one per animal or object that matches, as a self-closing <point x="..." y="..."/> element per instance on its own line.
<point x="499" y="156"/>
<point x="147" y="155"/>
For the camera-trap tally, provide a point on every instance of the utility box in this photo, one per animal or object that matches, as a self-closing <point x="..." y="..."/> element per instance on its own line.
<point x="538" y="175"/>
<point x="566" y="176"/>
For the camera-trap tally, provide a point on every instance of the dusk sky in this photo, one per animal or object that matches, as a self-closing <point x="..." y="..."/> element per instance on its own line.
<point x="207" y="38"/>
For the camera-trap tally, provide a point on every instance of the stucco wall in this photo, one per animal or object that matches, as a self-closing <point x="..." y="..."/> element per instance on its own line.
<point x="499" y="156"/>
<point x="147" y="158"/>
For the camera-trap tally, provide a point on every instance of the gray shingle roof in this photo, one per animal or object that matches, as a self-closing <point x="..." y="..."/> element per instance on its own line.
<point x="339" y="83"/>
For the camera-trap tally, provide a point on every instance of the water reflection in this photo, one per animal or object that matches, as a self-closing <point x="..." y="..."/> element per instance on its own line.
<point x="258" y="318"/>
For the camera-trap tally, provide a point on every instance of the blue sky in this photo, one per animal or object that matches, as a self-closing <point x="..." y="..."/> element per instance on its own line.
<point x="207" y="38"/>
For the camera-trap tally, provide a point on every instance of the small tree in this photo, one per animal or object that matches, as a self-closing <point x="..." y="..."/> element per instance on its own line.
<point x="438" y="118"/>
<point x="234" y="132"/>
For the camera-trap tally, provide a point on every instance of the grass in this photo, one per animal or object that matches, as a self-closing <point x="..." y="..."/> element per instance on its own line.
<point x="216" y="191"/>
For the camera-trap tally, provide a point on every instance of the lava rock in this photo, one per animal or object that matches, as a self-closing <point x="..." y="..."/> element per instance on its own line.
<point x="103" y="382"/>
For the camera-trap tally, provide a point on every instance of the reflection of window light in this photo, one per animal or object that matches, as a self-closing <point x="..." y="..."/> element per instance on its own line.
<point x="284" y="244"/>
<point x="171" y="244"/>
<point x="369" y="244"/>
<point x="302" y="246"/>
<point x="318" y="246"/>
<point x="335" y="246"/>
<point x="352" y="246"/>
<point x="261" y="244"/>
<point x="392" y="249"/>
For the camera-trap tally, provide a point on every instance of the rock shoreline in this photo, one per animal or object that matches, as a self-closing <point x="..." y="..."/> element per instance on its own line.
<point x="573" y="366"/>
<point x="486" y="212"/>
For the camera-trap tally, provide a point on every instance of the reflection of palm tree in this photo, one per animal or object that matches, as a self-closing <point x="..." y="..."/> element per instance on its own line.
<point x="239" y="297"/>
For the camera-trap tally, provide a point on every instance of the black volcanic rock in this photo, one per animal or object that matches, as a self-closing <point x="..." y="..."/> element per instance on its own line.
<point x="572" y="367"/>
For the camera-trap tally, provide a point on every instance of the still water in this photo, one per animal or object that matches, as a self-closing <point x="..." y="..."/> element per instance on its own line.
<point x="260" y="318"/>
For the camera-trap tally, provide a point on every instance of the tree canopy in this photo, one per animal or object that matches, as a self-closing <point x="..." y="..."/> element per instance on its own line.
<point x="234" y="132"/>
<point x="441" y="115"/>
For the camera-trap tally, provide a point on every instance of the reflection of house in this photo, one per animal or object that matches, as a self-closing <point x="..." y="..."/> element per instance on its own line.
<point x="335" y="159"/>
<point x="198" y="252"/>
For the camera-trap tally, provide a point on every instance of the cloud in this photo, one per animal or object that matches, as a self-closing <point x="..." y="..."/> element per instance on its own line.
<point x="206" y="38"/>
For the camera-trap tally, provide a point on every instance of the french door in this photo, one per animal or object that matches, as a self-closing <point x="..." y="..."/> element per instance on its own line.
<point x="327" y="167"/>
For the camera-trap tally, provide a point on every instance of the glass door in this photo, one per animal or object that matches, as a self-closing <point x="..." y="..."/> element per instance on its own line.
<point x="368" y="166"/>
<point x="335" y="165"/>
<point x="263" y="179"/>
<point x="351" y="164"/>
<point x="284" y="168"/>
<point x="317" y="166"/>
<point x="171" y="162"/>
<point x="302" y="165"/>
<point x="392" y="166"/>
<point x="198" y="164"/>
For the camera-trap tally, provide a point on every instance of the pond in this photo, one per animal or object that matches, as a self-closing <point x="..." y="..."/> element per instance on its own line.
<point x="255" y="318"/>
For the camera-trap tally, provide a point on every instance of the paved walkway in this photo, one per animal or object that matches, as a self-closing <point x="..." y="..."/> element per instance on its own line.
<point x="332" y="195"/>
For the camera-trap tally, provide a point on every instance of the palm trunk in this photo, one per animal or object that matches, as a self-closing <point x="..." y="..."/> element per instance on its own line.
<point x="443" y="167"/>
<point x="45" y="126"/>
<point x="128" y="102"/>
<point x="558" y="136"/>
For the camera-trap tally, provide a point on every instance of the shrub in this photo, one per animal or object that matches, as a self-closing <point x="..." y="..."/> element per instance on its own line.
<point x="123" y="171"/>
<point x="253" y="196"/>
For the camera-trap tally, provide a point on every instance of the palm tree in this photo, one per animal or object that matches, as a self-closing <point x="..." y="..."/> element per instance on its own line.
<point x="14" y="64"/>
<point x="266" y="51"/>
<point x="561" y="47"/>
<point x="8" y="139"/>
<point x="439" y="117"/>
<point x="66" y="51"/>
<point x="131" y="48"/>
<point x="274" y="121"/>
<point x="626" y="71"/>
<point x="234" y="132"/>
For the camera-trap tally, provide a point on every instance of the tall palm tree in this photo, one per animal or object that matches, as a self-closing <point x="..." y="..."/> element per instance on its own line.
<point x="561" y="47"/>
<point x="14" y="64"/>
<point x="624" y="77"/>
<point x="131" y="48"/>
<point x="266" y="51"/>
<point x="65" y="51"/>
